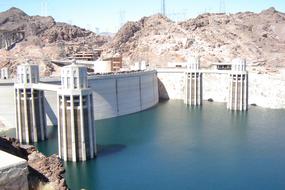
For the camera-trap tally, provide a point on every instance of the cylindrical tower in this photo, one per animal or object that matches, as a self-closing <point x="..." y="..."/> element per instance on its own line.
<point x="76" y="129"/>
<point x="238" y="86"/>
<point x="193" y="83"/>
<point x="30" y="114"/>
<point x="4" y="73"/>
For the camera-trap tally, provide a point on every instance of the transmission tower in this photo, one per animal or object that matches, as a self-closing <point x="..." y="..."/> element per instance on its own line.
<point x="222" y="6"/>
<point x="122" y="14"/>
<point x="44" y="8"/>
<point x="97" y="30"/>
<point x="163" y="12"/>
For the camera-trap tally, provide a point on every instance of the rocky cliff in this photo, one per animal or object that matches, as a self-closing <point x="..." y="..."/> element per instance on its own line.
<point x="43" y="39"/>
<point x="42" y="170"/>
<point x="258" y="37"/>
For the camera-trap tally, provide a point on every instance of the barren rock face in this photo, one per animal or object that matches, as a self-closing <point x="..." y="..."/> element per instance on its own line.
<point x="260" y="38"/>
<point x="42" y="169"/>
<point x="44" y="39"/>
<point x="16" y="20"/>
<point x="63" y="32"/>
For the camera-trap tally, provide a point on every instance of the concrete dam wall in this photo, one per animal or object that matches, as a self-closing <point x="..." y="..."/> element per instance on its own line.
<point x="264" y="90"/>
<point x="113" y="95"/>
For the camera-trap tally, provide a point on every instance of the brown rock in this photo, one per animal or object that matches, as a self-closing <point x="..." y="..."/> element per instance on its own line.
<point x="42" y="169"/>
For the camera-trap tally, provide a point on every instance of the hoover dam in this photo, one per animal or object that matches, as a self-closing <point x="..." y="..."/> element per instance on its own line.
<point x="113" y="95"/>
<point x="129" y="92"/>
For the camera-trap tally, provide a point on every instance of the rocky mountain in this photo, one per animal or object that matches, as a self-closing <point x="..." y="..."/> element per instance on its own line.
<point x="46" y="28"/>
<point x="258" y="37"/>
<point x="43" y="39"/>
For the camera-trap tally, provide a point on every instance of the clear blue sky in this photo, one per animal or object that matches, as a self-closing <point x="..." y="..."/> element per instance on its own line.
<point x="107" y="15"/>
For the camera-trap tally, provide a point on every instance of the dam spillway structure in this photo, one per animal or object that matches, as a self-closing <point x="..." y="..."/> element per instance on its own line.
<point x="238" y="86"/>
<point x="193" y="83"/>
<point x="76" y="130"/>
<point x="30" y="114"/>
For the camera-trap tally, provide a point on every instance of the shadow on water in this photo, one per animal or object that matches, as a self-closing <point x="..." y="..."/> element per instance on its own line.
<point x="49" y="146"/>
<point x="52" y="132"/>
<point x="106" y="150"/>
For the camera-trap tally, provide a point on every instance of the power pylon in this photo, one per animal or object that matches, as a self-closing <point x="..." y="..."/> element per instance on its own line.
<point x="222" y="6"/>
<point x="44" y="8"/>
<point x="163" y="11"/>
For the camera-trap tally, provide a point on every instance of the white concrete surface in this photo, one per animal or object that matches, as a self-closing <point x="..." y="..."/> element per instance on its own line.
<point x="264" y="90"/>
<point x="102" y="66"/>
<point x="13" y="172"/>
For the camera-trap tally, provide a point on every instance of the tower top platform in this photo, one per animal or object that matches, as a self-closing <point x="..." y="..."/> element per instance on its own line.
<point x="193" y="63"/>
<point x="239" y="64"/>
<point x="74" y="77"/>
<point x="27" y="73"/>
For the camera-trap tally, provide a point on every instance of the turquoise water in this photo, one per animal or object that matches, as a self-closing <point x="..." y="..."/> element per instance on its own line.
<point x="172" y="146"/>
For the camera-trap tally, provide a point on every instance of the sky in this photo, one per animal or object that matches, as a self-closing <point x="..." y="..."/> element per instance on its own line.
<point x="109" y="15"/>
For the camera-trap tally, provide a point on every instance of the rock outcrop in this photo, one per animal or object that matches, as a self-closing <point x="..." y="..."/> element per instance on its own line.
<point x="41" y="39"/>
<point x="259" y="37"/>
<point x="42" y="170"/>
<point x="45" y="29"/>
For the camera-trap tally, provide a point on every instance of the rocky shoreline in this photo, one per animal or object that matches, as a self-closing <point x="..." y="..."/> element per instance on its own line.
<point x="43" y="171"/>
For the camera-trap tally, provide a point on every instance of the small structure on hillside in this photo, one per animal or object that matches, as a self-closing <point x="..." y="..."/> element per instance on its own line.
<point x="116" y="63"/>
<point x="85" y="56"/>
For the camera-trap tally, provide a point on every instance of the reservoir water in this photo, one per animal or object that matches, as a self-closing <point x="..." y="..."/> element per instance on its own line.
<point x="172" y="146"/>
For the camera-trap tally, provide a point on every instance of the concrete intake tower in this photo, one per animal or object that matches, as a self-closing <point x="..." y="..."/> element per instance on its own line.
<point x="238" y="86"/>
<point x="193" y="83"/>
<point x="30" y="114"/>
<point x="76" y="130"/>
